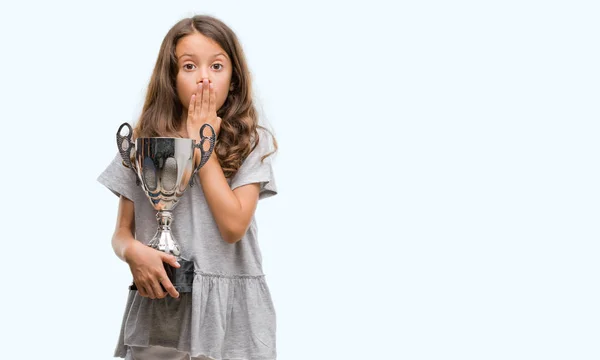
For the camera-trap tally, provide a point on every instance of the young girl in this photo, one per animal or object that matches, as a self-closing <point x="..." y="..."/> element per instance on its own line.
<point x="201" y="76"/>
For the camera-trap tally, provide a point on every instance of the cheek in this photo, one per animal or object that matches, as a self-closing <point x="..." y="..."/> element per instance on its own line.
<point x="221" y="100"/>
<point x="183" y="92"/>
<point x="222" y="92"/>
<point x="185" y="102"/>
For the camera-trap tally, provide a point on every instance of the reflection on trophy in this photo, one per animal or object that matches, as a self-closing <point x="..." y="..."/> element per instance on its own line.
<point x="164" y="167"/>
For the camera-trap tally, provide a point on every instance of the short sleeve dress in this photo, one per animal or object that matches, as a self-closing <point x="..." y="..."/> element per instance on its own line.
<point x="229" y="314"/>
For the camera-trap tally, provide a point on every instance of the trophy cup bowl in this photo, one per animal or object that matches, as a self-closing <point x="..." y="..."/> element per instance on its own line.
<point x="164" y="168"/>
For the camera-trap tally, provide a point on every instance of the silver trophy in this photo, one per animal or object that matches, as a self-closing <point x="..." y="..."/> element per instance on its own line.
<point x="164" y="168"/>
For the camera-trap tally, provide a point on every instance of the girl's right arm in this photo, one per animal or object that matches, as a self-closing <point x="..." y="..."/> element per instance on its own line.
<point x="145" y="263"/>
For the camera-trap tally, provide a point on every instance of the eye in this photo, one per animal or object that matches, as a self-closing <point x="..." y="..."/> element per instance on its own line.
<point x="221" y="66"/>
<point x="189" y="66"/>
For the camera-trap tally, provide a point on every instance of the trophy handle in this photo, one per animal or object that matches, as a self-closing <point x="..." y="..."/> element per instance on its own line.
<point x="125" y="145"/>
<point x="205" y="153"/>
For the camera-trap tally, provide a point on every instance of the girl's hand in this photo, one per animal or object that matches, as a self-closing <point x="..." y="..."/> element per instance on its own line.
<point x="147" y="268"/>
<point x="203" y="110"/>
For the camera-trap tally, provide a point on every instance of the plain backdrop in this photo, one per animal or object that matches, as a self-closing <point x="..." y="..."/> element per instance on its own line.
<point x="438" y="173"/>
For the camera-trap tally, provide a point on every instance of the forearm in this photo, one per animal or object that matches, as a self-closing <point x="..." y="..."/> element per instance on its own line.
<point x="227" y="210"/>
<point x="122" y="242"/>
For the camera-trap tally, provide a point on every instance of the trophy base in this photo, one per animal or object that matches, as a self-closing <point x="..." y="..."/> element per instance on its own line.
<point x="181" y="277"/>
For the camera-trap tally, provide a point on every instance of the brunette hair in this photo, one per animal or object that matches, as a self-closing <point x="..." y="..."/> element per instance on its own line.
<point x="162" y="111"/>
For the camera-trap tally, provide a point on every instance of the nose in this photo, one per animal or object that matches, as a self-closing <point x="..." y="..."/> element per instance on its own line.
<point x="202" y="77"/>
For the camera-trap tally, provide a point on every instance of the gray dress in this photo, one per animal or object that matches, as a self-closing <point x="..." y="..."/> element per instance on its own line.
<point x="229" y="314"/>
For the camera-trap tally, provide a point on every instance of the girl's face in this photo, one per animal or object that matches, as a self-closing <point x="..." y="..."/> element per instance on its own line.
<point x="198" y="58"/>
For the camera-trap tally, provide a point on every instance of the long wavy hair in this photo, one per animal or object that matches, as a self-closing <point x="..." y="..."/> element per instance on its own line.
<point x="162" y="111"/>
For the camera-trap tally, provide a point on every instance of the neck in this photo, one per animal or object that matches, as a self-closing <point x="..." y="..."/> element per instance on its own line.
<point x="182" y="131"/>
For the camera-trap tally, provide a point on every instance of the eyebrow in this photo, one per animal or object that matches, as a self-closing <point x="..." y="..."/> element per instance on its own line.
<point x="192" y="55"/>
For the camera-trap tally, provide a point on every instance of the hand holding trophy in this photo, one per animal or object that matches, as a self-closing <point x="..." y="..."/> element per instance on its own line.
<point x="164" y="168"/>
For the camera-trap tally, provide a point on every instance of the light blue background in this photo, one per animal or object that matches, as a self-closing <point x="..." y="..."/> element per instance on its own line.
<point x="438" y="173"/>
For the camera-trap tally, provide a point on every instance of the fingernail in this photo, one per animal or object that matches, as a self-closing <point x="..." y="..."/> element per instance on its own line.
<point x="211" y="85"/>
<point x="176" y="263"/>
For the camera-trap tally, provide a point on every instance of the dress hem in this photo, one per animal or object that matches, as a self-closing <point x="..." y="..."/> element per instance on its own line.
<point x="197" y="354"/>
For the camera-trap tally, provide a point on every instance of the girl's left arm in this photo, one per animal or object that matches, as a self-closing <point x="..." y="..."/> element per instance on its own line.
<point x="232" y="210"/>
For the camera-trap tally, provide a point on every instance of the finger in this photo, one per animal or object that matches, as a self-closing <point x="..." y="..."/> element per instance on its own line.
<point x="141" y="290"/>
<point x="170" y="259"/>
<point x="158" y="292"/>
<point x="198" y="103"/>
<point x="212" y="103"/>
<point x="192" y="107"/>
<point x="205" y="97"/>
<point x="148" y="290"/>
<point x="168" y="285"/>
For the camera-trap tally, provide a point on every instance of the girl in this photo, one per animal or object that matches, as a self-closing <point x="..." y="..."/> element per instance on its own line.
<point x="201" y="76"/>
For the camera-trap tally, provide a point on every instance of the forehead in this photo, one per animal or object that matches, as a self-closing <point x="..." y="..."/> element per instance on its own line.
<point x="198" y="45"/>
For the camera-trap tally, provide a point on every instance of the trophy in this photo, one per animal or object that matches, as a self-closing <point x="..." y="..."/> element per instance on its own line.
<point x="164" y="167"/>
